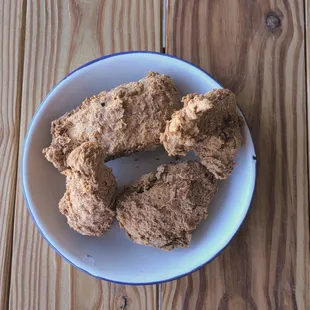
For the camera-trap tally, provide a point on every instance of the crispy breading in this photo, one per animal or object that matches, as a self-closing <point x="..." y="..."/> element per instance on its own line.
<point x="163" y="209"/>
<point x="89" y="200"/>
<point x="209" y="126"/>
<point x="126" y="119"/>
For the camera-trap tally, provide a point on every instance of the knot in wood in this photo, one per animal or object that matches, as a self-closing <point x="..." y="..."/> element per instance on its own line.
<point x="123" y="302"/>
<point x="273" y="21"/>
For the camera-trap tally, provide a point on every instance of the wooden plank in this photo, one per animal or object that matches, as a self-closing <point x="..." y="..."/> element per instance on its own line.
<point x="61" y="35"/>
<point x="256" y="48"/>
<point x="10" y="83"/>
<point x="307" y="36"/>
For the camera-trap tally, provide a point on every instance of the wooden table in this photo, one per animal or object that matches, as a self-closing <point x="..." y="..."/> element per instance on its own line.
<point x="258" y="48"/>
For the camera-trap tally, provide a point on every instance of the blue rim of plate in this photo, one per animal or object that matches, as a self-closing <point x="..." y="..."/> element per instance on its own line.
<point x="26" y="198"/>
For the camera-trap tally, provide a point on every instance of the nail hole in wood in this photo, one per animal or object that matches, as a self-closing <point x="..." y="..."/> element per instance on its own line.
<point x="273" y="21"/>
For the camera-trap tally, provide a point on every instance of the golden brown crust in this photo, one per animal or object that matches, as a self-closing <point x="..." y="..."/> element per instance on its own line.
<point x="89" y="200"/>
<point x="127" y="119"/>
<point x="208" y="125"/>
<point x="163" y="209"/>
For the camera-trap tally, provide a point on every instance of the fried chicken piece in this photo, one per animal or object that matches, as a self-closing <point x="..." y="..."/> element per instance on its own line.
<point x="126" y="119"/>
<point x="208" y="125"/>
<point x="163" y="209"/>
<point x="89" y="200"/>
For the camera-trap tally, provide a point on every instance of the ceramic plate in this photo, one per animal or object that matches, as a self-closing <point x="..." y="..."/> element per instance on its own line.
<point x="113" y="256"/>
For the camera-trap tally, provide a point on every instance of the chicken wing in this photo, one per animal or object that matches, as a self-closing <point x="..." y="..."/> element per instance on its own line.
<point x="208" y="125"/>
<point x="126" y="119"/>
<point x="163" y="209"/>
<point x="89" y="200"/>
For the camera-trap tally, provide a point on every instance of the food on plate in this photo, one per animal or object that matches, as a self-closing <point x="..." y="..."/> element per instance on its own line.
<point x="163" y="209"/>
<point x="126" y="119"/>
<point x="208" y="125"/>
<point x="89" y="200"/>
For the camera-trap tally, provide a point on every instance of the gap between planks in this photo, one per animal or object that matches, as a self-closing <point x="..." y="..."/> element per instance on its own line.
<point x="307" y="72"/>
<point x="20" y="75"/>
<point x="164" y="4"/>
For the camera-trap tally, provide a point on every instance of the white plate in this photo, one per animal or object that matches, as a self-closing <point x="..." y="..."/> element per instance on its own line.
<point x="114" y="257"/>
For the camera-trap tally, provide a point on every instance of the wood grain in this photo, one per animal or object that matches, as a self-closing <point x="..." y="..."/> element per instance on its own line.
<point x="256" y="48"/>
<point x="307" y="36"/>
<point x="59" y="36"/>
<point x="10" y="84"/>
